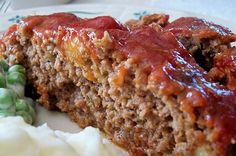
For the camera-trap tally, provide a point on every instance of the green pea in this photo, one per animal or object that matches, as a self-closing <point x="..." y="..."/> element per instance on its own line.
<point x="25" y="106"/>
<point x="16" y="78"/>
<point x="4" y="66"/>
<point x="17" y="68"/>
<point x="22" y="105"/>
<point x="5" y="113"/>
<point x="31" y="106"/>
<point x="32" y="113"/>
<point x="26" y="116"/>
<point x="18" y="89"/>
<point x="2" y="80"/>
<point x="12" y="100"/>
<point x="7" y="98"/>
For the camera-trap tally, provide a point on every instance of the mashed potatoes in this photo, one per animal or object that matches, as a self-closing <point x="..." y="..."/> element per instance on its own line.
<point x="20" y="139"/>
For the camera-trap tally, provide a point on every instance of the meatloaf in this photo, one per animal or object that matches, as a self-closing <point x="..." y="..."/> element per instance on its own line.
<point x="224" y="68"/>
<point x="140" y="86"/>
<point x="201" y="38"/>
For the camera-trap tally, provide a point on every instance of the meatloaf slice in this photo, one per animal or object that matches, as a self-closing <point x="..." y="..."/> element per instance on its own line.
<point x="201" y="38"/>
<point x="224" y="68"/>
<point x="140" y="86"/>
<point x="154" y="20"/>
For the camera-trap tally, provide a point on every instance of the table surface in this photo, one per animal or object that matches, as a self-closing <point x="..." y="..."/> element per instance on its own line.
<point x="224" y="9"/>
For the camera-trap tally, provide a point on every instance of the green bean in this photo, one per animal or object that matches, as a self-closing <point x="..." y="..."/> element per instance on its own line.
<point x="17" y="68"/>
<point x="4" y="66"/>
<point x="26" y="116"/>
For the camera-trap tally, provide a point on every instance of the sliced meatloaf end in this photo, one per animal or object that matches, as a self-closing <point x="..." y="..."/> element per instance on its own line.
<point x="156" y="21"/>
<point x="224" y="69"/>
<point x="140" y="86"/>
<point x="202" y="39"/>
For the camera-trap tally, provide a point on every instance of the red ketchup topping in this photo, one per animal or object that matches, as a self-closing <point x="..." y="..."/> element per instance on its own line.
<point x="173" y="69"/>
<point x="98" y="23"/>
<point x="225" y="68"/>
<point x="11" y="33"/>
<point x="176" y="71"/>
<point x="188" y="26"/>
<point x="41" y="24"/>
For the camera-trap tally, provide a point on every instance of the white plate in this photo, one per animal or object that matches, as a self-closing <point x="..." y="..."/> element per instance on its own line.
<point x="122" y="13"/>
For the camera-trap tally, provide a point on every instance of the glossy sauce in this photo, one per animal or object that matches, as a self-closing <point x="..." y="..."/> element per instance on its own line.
<point x="176" y="72"/>
<point x="188" y="26"/>
<point x="173" y="69"/>
<point x="225" y="65"/>
<point x="10" y="34"/>
<point x="41" y="24"/>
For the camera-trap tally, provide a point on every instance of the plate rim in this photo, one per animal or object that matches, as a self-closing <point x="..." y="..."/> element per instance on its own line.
<point x="166" y="9"/>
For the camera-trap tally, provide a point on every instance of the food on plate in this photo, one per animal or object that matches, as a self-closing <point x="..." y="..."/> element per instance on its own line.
<point x="201" y="38"/>
<point x="20" y="139"/>
<point x="156" y="21"/>
<point x="224" y="69"/>
<point x="12" y="99"/>
<point x="142" y="85"/>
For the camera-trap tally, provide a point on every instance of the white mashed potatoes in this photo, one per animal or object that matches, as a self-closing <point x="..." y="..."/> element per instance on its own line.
<point x="20" y="139"/>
